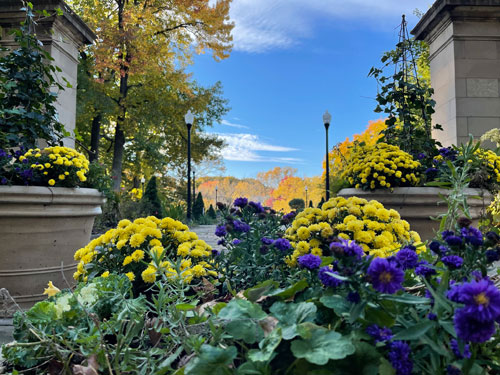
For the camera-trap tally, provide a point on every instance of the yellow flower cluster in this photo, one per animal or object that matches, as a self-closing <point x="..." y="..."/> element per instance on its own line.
<point x="379" y="231"/>
<point x="380" y="166"/>
<point x="135" y="194"/>
<point x="63" y="166"/>
<point x="492" y="162"/>
<point x="145" y="248"/>
<point x="494" y="210"/>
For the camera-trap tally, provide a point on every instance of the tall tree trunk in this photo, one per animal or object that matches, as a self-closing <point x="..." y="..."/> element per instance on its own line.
<point x="119" y="142"/>
<point x="95" y="137"/>
<point x="118" y="156"/>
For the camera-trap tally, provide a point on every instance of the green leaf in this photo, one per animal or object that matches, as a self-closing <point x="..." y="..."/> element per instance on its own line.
<point x="212" y="361"/>
<point x="337" y="303"/>
<point x="42" y="312"/>
<point x="247" y="330"/>
<point x="185" y="306"/>
<point x="322" y="346"/>
<point x="379" y="317"/>
<point x="414" y="332"/>
<point x="291" y="291"/>
<point x="356" y="311"/>
<point x="290" y="315"/>
<point x="406" y="298"/>
<point x="325" y="261"/>
<point x="267" y="347"/>
<point x="385" y="368"/>
<point x="259" y="290"/>
<point x="239" y="308"/>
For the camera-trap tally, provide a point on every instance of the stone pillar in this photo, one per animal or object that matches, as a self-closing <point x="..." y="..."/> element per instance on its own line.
<point x="62" y="36"/>
<point x="464" y="40"/>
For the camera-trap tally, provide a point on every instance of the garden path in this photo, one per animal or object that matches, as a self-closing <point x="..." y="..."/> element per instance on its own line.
<point x="207" y="234"/>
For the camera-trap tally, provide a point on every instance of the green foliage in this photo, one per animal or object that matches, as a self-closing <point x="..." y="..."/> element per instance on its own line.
<point x="405" y="97"/>
<point x="150" y="202"/>
<point x="297" y="204"/>
<point x="321" y="202"/>
<point x="211" y="212"/>
<point x="27" y="104"/>
<point x="198" y="206"/>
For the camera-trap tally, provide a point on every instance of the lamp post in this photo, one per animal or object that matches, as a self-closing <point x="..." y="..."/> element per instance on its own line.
<point x="194" y="187"/>
<point x="143" y="180"/>
<point x="189" y="118"/>
<point x="216" y="188"/>
<point x="306" y="198"/>
<point x="326" y="120"/>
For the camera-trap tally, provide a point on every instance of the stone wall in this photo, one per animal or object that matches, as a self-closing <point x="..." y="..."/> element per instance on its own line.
<point x="62" y="37"/>
<point x="464" y="40"/>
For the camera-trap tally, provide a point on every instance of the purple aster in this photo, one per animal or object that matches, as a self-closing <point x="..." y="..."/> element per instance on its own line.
<point x="327" y="279"/>
<point x="353" y="297"/>
<point x="447" y="233"/>
<point x="215" y="252"/>
<point x="407" y="258"/>
<point x="423" y="269"/>
<point x="481" y="299"/>
<point x="493" y="237"/>
<point x="456" y="350"/>
<point x="236" y="241"/>
<point x="453" y="261"/>
<point x="492" y="256"/>
<point x="453" y="294"/>
<point x="220" y="231"/>
<point x="3" y="153"/>
<point x="282" y="244"/>
<point x="221" y="242"/>
<point x="448" y="153"/>
<point x="432" y="316"/>
<point x="379" y="334"/>
<point x="309" y="261"/>
<point x="472" y="235"/>
<point x="399" y="356"/>
<point x="452" y="370"/>
<point x="471" y="329"/>
<point x="454" y="240"/>
<point x="431" y="171"/>
<point x="257" y="207"/>
<point x="266" y="241"/>
<point x="348" y="248"/>
<point x="240" y="226"/>
<point x="240" y="202"/>
<point x="4" y="181"/>
<point x="385" y="276"/>
<point x="421" y="156"/>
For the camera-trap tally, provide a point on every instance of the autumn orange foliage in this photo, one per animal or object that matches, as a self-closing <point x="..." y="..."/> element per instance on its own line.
<point x="341" y="152"/>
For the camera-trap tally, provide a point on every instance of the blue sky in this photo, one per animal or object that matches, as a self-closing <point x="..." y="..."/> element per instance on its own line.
<point x="292" y="60"/>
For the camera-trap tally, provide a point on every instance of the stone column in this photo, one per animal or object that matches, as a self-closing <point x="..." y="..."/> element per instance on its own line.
<point x="62" y="36"/>
<point x="464" y="40"/>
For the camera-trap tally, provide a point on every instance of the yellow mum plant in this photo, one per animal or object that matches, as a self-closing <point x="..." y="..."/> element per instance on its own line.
<point x="145" y="248"/>
<point x="381" y="166"/>
<point x="56" y="166"/>
<point x="491" y="161"/>
<point x="379" y="231"/>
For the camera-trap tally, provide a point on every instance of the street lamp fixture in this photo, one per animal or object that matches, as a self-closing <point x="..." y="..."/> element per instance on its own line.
<point x="143" y="180"/>
<point x="189" y="119"/>
<point x="327" y="118"/>
<point x="306" y="197"/>
<point x="216" y="188"/>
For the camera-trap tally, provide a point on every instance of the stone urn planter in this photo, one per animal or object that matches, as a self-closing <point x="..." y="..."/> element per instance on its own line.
<point x="417" y="204"/>
<point x="40" y="230"/>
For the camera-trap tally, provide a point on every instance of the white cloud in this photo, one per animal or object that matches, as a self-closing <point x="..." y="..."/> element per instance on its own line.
<point x="245" y="147"/>
<point x="233" y="125"/>
<point x="261" y="25"/>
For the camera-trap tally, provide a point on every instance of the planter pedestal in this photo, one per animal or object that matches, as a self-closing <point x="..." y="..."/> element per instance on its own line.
<point x="40" y="230"/>
<point x="417" y="204"/>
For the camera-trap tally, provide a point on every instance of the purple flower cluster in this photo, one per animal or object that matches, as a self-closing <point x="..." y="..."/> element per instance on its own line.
<point x="240" y="226"/>
<point x="257" y="207"/>
<point x="327" y="279"/>
<point x="348" y="248"/>
<point x="282" y="244"/>
<point x="448" y="153"/>
<point x="399" y="356"/>
<point x="267" y="241"/>
<point x="220" y="231"/>
<point x="379" y="334"/>
<point x="456" y="350"/>
<point x="385" y="276"/>
<point x="240" y="202"/>
<point x="453" y="262"/>
<point x="423" y="269"/>
<point x="310" y="261"/>
<point x="236" y="241"/>
<point x="407" y="258"/>
<point x="476" y="320"/>
<point x="472" y="235"/>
